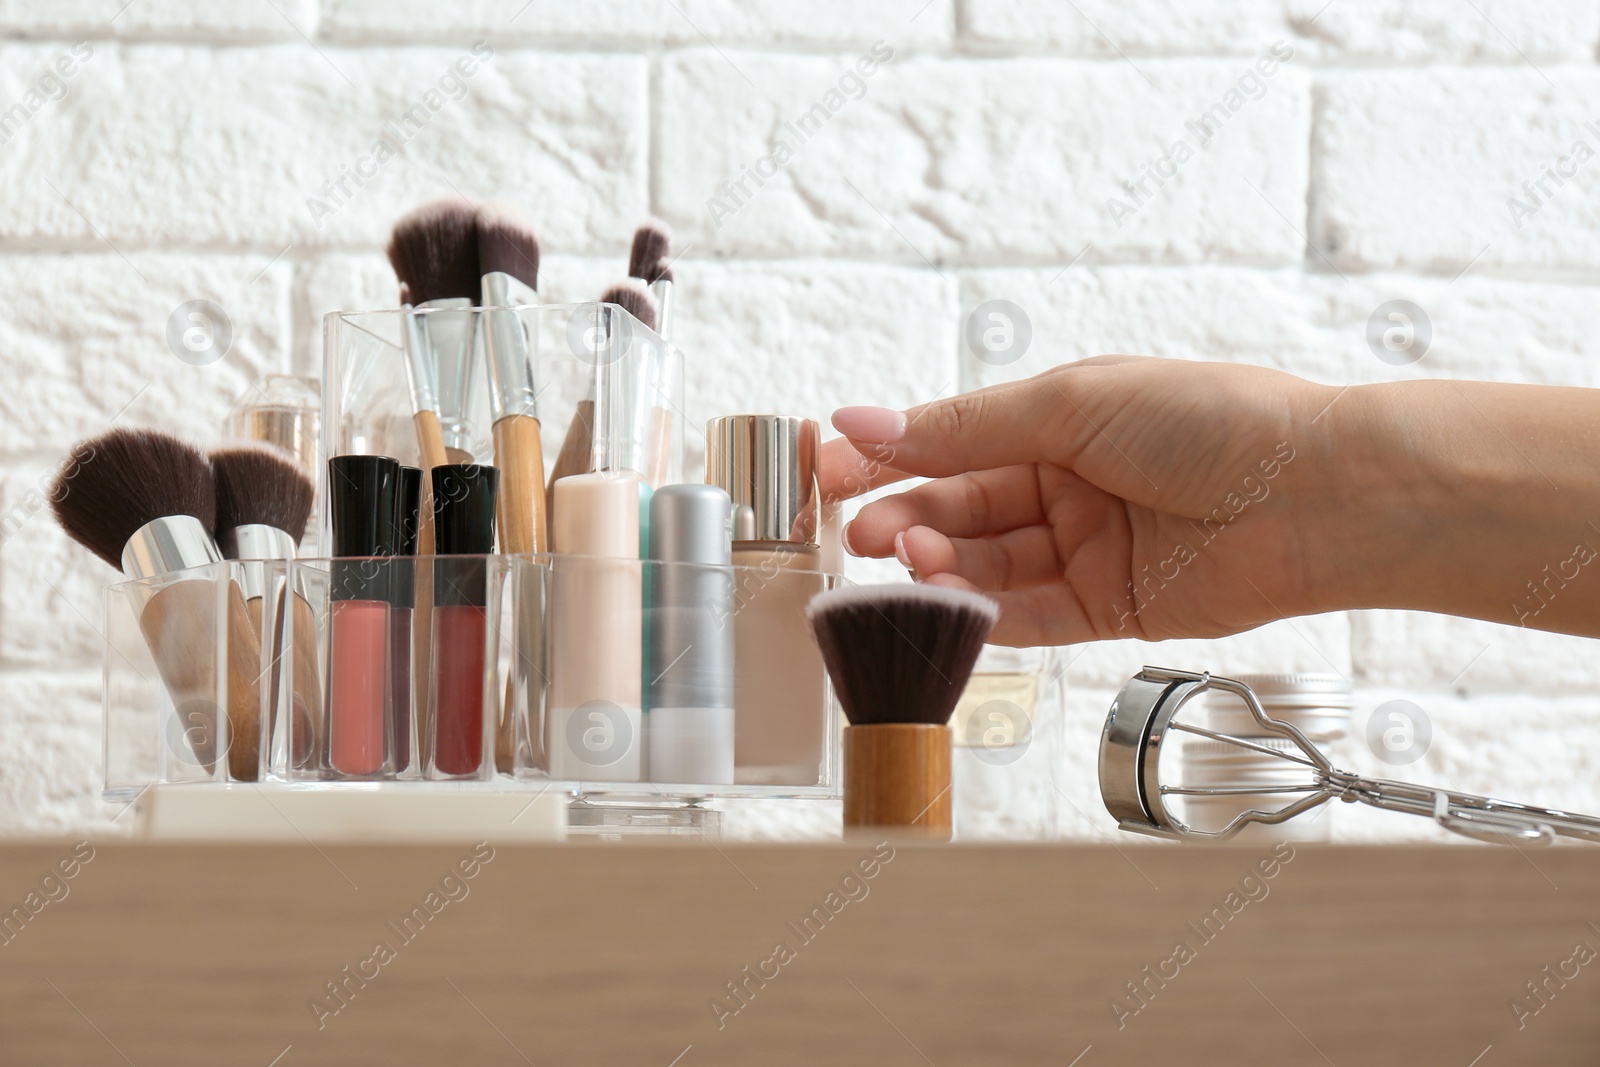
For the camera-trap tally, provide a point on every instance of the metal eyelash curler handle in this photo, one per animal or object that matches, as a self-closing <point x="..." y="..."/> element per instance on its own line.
<point x="1143" y="716"/>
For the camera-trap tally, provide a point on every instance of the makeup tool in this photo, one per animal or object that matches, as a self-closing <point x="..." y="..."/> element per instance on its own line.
<point x="899" y="656"/>
<point x="1145" y="716"/>
<point x="361" y="495"/>
<point x="649" y="260"/>
<point x="768" y="466"/>
<point x="284" y="412"/>
<point x="406" y="527"/>
<point x="508" y="254"/>
<point x="263" y="503"/>
<point x="689" y="674"/>
<point x="434" y="252"/>
<point x="463" y="522"/>
<point x="577" y="448"/>
<point x="145" y="502"/>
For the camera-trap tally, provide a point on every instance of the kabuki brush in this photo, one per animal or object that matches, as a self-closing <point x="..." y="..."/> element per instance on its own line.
<point x="899" y="656"/>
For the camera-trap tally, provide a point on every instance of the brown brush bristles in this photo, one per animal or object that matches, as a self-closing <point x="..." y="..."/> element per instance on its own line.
<point x="652" y="249"/>
<point x="115" y="483"/>
<point x="258" y="485"/>
<point x="900" y="653"/>
<point x="434" y="250"/>
<point x="633" y="298"/>
<point x="507" y="243"/>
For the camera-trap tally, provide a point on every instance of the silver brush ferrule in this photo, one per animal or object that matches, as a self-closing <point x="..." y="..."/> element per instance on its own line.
<point x="171" y="543"/>
<point x="512" y="382"/>
<point x="662" y="290"/>
<point x="421" y="371"/>
<point x="252" y="544"/>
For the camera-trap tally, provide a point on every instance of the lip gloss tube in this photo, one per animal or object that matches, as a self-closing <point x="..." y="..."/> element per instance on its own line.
<point x="361" y="491"/>
<point x="402" y="602"/>
<point x="463" y="530"/>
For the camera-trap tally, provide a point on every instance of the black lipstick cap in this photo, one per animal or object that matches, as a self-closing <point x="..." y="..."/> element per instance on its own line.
<point x="463" y="525"/>
<point x="403" y="538"/>
<point x="361" y="497"/>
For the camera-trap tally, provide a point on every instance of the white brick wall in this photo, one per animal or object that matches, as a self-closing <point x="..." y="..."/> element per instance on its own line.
<point x="1369" y="158"/>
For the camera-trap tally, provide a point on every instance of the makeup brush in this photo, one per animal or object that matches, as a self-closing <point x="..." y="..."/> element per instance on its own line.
<point x="145" y="502"/>
<point x="649" y="261"/>
<point x="263" y="502"/>
<point x="577" y="448"/>
<point x="434" y="252"/>
<point x="899" y="656"/>
<point x="508" y="256"/>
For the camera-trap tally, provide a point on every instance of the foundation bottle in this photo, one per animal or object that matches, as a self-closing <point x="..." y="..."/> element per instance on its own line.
<point x="768" y="465"/>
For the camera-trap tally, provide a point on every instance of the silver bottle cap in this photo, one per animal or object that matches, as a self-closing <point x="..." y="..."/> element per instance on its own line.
<point x="769" y="463"/>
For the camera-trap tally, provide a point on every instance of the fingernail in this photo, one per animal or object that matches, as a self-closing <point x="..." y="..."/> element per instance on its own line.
<point x="844" y="540"/>
<point x="900" y="551"/>
<point x="882" y="426"/>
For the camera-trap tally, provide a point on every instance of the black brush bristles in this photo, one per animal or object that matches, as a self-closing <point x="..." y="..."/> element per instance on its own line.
<point x="434" y="250"/>
<point x="507" y="243"/>
<point x="651" y="252"/>
<point x="259" y="486"/>
<point x="900" y="653"/>
<point x="633" y="298"/>
<point x="117" y="482"/>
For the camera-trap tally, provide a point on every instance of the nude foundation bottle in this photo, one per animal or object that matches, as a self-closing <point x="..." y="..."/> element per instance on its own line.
<point x="768" y="465"/>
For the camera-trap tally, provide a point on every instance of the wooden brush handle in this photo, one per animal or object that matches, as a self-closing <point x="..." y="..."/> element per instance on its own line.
<point x="520" y="456"/>
<point x="180" y="626"/>
<point x="898" y="774"/>
<point x="577" y="451"/>
<point x="430" y="443"/>
<point x="305" y="710"/>
<point x="244" y="690"/>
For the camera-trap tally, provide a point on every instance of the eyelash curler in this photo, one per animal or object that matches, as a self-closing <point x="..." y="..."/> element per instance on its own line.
<point x="1145" y="714"/>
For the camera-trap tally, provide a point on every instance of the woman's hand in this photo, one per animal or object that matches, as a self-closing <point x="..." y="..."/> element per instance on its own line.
<point x="1152" y="498"/>
<point x="1116" y="497"/>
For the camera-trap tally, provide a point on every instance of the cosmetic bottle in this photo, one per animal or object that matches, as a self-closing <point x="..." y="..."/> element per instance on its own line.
<point x="689" y="718"/>
<point x="285" y="412"/>
<point x="402" y="605"/>
<point x="361" y="493"/>
<point x="463" y="524"/>
<point x="768" y="466"/>
<point x="595" y="720"/>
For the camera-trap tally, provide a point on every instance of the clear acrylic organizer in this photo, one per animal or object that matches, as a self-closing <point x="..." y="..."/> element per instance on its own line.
<point x="183" y="688"/>
<point x="564" y="682"/>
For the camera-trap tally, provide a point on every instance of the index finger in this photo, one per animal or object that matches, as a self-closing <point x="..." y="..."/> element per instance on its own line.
<point x="844" y="472"/>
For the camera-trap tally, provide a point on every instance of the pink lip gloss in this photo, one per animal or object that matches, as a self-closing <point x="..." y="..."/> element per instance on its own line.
<point x="463" y="531"/>
<point x="362" y="497"/>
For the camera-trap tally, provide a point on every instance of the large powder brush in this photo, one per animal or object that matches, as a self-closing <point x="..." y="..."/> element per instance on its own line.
<point x="145" y="502"/>
<point x="900" y="656"/>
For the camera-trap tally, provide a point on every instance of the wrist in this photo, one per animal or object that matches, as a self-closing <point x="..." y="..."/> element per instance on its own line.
<point x="1449" y="497"/>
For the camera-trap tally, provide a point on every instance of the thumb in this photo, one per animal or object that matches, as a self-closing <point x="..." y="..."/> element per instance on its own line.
<point x="1000" y="426"/>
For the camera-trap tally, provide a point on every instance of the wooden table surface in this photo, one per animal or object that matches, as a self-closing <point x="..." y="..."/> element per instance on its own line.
<point x="615" y="954"/>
